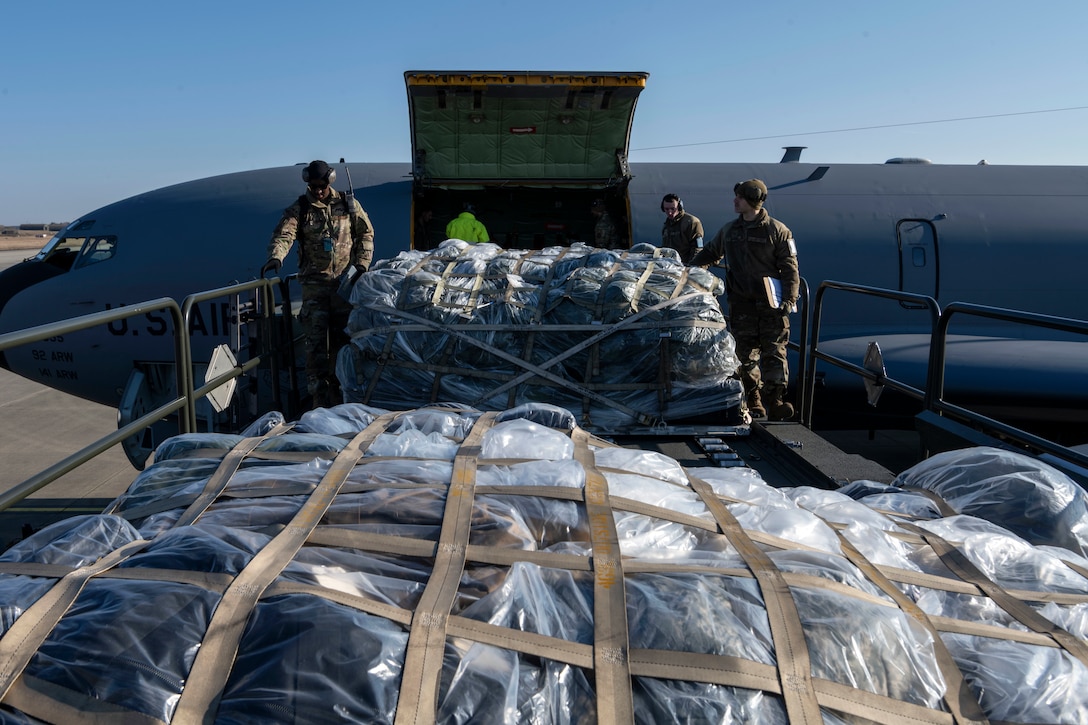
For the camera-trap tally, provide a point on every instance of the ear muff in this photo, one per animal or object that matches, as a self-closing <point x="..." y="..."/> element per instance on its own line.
<point x="318" y="171"/>
<point x="672" y="197"/>
<point x="747" y="189"/>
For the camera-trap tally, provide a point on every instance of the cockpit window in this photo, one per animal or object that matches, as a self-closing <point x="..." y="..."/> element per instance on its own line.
<point x="74" y="247"/>
<point x="95" y="250"/>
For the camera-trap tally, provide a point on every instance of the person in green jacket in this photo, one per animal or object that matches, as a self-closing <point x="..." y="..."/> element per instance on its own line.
<point x="466" y="227"/>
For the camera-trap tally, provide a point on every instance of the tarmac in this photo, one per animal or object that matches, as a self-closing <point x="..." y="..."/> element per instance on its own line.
<point x="43" y="427"/>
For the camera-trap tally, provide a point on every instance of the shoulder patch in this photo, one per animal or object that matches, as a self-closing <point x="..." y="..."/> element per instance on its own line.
<point x="792" y="245"/>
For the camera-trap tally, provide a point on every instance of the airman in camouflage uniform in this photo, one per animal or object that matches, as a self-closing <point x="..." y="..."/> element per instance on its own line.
<point x="681" y="231"/>
<point x="331" y="238"/>
<point x="756" y="246"/>
<point x="605" y="235"/>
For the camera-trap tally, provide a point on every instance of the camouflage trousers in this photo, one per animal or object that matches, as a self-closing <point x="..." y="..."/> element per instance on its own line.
<point x="323" y="318"/>
<point x="761" y="334"/>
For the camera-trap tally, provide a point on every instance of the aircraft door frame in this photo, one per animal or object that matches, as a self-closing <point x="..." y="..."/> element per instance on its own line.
<point x="919" y="258"/>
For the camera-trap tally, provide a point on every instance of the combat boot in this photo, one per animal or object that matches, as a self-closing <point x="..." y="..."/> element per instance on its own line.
<point x="778" y="408"/>
<point x="755" y="404"/>
<point x="318" y="390"/>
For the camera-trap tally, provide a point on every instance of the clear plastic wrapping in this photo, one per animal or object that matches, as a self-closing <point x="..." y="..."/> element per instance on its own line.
<point x="489" y="308"/>
<point x="328" y="639"/>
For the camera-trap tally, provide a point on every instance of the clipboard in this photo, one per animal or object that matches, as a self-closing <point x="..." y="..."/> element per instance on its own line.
<point x="773" y="287"/>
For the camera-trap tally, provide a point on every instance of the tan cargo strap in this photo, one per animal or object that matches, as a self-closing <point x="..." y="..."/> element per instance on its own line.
<point x="22" y="640"/>
<point x="697" y="522"/>
<point x="791" y="649"/>
<point x="443" y="285"/>
<point x="229" y="461"/>
<point x="992" y="631"/>
<point x="1083" y="571"/>
<point x="217" y="482"/>
<point x="611" y="647"/>
<point x="746" y="674"/>
<point x="963" y="567"/>
<point x="942" y="505"/>
<point x="52" y="703"/>
<point x="640" y="285"/>
<point x="403" y="546"/>
<point x="959" y="586"/>
<point x="282" y="456"/>
<point x="959" y="699"/>
<point x="427" y="638"/>
<point x="439" y="286"/>
<point x="215" y="657"/>
<point x="363" y="604"/>
<point x="681" y="283"/>
<point x="530" y="643"/>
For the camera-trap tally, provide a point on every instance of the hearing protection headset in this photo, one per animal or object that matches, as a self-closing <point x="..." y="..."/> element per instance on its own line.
<point x="745" y="188"/>
<point x="672" y="197"/>
<point x="318" y="171"/>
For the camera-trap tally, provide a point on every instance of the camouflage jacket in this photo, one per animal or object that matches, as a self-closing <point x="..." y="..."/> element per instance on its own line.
<point x="605" y="235"/>
<point x="684" y="234"/>
<point x="329" y="238"/>
<point x="763" y="247"/>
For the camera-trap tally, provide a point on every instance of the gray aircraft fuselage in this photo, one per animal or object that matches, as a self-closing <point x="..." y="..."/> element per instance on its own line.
<point x="1008" y="236"/>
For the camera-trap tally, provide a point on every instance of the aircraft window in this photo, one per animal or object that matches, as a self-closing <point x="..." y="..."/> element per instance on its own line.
<point x="918" y="256"/>
<point x="96" y="249"/>
<point x="61" y="251"/>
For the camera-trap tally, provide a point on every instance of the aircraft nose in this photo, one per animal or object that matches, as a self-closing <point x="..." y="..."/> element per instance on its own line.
<point x="14" y="280"/>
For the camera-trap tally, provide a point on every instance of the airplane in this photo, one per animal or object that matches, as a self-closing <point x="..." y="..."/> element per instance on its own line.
<point x="531" y="151"/>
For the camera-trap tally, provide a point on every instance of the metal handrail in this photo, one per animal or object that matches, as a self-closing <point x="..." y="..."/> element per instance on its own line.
<point x="809" y="382"/>
<point x="932" y="397"/>
<point x="41" y="332"/>
<point x="803" y="359"/>
<point x="265" y="288"/>
<point x="935" y="402"/>
<point x="184" y="403"/>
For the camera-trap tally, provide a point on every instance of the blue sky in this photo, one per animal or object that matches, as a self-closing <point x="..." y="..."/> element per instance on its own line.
<point x="103" y="100"/>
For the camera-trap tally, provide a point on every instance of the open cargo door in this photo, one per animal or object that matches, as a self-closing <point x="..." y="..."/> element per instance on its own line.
<point x="529" y="151"/>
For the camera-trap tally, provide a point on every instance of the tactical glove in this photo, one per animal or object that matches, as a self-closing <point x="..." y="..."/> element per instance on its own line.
<point x="347" y="281"/>
<point x="272" y="265"/>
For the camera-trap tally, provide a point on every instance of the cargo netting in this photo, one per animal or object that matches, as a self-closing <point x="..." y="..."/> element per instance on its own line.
<point x="449" y="565"/>
<point x="625" y="338"/>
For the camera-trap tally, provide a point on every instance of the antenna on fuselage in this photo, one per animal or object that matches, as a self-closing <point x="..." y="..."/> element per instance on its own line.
<point x="792" y="155"/>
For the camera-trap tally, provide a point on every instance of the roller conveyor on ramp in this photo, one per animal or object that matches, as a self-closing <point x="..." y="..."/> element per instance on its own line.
<point x="789" y="454"/>
<point x="783" y="453"/>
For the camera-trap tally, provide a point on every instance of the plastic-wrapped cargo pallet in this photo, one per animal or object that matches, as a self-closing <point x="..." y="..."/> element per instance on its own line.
<point x="624" y="338"/>
<point x="447" y="565"/>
